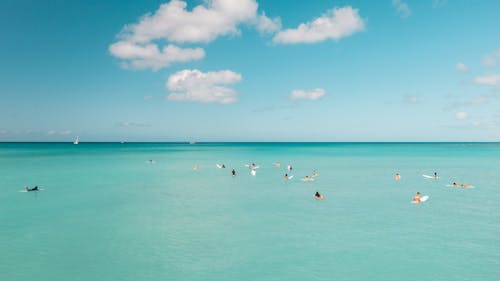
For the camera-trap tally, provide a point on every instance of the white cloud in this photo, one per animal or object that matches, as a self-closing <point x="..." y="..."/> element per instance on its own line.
<point x="402" y="8"/>
<point x="490" y="80"/>
<point x="439" y="3"/>
<point x="334" y="24"/>
<point x="461" y="67"/>
<point x="307" y="94"/>
<point x="54" y="132"/>
<point x="492" y="59"/>
<point x="138" y="42"/>
<point x="461" y="115"/>
<point x="205" y="87"/>
<point x="149" y="56"/>
<point x="266" y="25"/>
<point x="132" y="124"/>
<point x="410" y="99"/>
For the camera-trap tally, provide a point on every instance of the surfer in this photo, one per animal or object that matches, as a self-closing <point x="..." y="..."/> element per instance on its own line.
<point x="307" y="178"/>
<point x="289" y="167"/>
<point x="314" y="174"/>
<point x="416" y="198"/>
<point x="196" y="167"/>
<point x="286" y="177"/>
<point x="397" y="176"/>
<point x="233" y="172"/>
<point x="32" y="189"/>
<point x="435" y="175"/>
<point x="318" y="196"/>
<point x="223" y="166"/>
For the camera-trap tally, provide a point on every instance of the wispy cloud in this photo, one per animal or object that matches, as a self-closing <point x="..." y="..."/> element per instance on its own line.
<point x="334" y="24"/>
<point x="402" y="8"/>
<point x="461" y="67"/>
<point x="54" y="132"/>
<point x="410" y="99"/>
<point x="439" y="3"/>
<point x="492" y="59"/>
<point x="204" y="87"/>
<point x="461" y="115"/>
<point x="489" y="80"/>
<point x="313" y="94"/>
<point x="139" y="43"/>
<point x="126" y="124"/>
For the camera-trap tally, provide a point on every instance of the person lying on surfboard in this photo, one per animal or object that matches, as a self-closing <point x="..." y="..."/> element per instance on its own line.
<point x="318" y="196"/>
<point x="416" y="198"/>
<point x="464" y="185"/>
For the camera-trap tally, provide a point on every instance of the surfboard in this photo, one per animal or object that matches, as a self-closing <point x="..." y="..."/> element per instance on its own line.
<point x="219" y="166"/>
<point x="430" y="177"/>
<point x="422" y="199"/>
<point x="290" y="177"/>
<point x="253" y="172"/>
<point x="468" y="186"/>
<point x="310" y="179"/>
<point x="24" y="190"/>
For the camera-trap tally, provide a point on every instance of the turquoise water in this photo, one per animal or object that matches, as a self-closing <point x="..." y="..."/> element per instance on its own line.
<point x="107" y="214"/>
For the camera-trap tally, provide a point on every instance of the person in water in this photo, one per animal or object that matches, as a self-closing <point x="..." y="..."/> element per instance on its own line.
<point x="435" y="175"/>
<point x="397" y="176"/>
<point x="314" y="174"/>
<point x="416" y="198"/>
<point x="318" y="196"/>
<point x="223" y="166"/>
<point x="233" y="172"/>
<point x="307" y="178"/>
<point x="196" y="167"/>
<point x="286" y="177"/>
<point x="32" y="189"/>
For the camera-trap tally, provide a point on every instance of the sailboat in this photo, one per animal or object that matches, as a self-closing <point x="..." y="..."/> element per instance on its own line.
<point x="76" y="140"/>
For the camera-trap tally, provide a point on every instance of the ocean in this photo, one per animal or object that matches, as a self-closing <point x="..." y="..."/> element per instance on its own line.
<point x="106" y="212"/>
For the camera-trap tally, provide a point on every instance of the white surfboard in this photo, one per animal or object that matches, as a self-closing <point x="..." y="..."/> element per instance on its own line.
<point x="253" y="172"/>
<point x="430" y="177"/>
<point x="219" y="166"/>
<point x="467" y="186"/>
<point x="290" y="177"/>
<point x="422" y="199"/>
<point x="310" y="179"/>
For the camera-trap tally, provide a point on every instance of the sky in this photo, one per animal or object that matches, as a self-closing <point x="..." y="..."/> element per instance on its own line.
<point x="250" y="70"/>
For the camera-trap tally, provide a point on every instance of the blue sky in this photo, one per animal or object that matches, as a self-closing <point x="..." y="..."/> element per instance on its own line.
<point x="392" y="70"/>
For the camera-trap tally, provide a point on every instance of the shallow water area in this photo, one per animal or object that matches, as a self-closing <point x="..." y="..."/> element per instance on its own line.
<point x="108" y="213"/>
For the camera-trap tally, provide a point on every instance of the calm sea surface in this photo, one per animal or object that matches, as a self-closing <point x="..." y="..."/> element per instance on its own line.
<point x="106" y="213"/>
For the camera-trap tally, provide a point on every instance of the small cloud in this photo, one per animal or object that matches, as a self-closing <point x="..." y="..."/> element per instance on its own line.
<point x="410" y="99"/>
<point x="147" y="98"/>
<point x="266" y="25"/>
<point x="402" y="8"/>
<point x="461" y="67"/>
<point x="314" y="94"/>
<point x="439" y="3"/>
<point x="65" y="132"/>
<point x="334" y="24"/>
<point x="492" y="59"/>
<point x="490" y="80"/>
<point x="132" y="124"/>
<point x="51" y="132"/>
<point x="205" y="87"/>
<point x="461" y="115"/>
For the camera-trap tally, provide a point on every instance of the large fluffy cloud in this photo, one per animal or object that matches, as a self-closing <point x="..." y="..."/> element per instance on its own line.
<point x="490" y="80"/>
<point x="138" y="43"/>
<point x="335" y="24"/>
<point x="307" y="94"/>
<point x="206" y="87"/>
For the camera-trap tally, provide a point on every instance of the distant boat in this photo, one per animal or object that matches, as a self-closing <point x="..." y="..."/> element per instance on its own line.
<point x="192" y="142"/>
<point x="76" y="140"/>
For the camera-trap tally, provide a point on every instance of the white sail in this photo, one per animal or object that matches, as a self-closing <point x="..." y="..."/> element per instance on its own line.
<point x="76" y="140"/>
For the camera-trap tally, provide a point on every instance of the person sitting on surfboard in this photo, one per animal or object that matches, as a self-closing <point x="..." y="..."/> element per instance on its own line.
<point x="416" y="198"/>
<point x="318" y="196"/>
<point x="32" y="189"/>
<point x="435" y="175"/>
